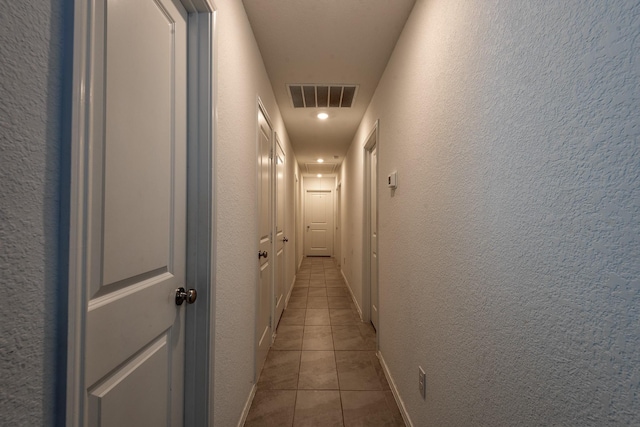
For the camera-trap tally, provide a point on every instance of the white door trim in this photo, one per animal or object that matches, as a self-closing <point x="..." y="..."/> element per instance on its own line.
<point x="201" y="200"/>
<point x="371" y="142"/>
<point x="201" y="28"/>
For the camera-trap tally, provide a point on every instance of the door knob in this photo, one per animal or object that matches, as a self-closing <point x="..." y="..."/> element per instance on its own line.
<point x="262" y="254"/>
<point x="189" y="296"/>
<point x="285" y="240"/>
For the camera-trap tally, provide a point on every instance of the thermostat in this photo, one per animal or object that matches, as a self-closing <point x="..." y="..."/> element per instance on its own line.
<point x="392" y="180"/>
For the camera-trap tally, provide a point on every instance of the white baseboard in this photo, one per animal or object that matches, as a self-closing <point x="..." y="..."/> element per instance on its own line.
<point x="353" y="297"/>
<point x="286" y="300"/>
<point x="247" y="406"/>
<point x="394" y="390"/>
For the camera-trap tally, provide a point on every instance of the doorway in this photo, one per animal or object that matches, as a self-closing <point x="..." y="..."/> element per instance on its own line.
<point x="318" y="214"/>
<point x="264" y="291"/>
<point x="338" y="240"/>
<point x="281" y="239"/>
<point x="133" y="214"/>
<point x="370" y="232"/>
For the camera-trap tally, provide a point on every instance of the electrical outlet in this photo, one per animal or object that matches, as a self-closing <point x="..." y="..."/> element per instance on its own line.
<point x="422" y="382"/>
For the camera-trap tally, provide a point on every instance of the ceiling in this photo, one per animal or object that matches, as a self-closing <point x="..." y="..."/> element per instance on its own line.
<point x="324" y="42"/>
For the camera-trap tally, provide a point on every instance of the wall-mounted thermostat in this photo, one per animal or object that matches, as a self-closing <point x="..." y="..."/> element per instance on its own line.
<point x="392" y="180"/>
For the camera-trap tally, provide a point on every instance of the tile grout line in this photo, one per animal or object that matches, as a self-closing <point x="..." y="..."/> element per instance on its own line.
<point x="331" y="325"/>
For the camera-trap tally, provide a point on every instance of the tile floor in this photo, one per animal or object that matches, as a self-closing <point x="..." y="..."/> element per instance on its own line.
<point x="322" y="369"/>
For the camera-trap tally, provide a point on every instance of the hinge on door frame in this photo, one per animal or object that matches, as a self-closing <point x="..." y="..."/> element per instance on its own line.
<point x="271" y="153"/>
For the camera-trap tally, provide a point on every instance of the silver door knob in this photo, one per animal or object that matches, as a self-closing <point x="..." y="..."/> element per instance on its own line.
<point x="263" y="254"/>
<point x="183" y="295"/>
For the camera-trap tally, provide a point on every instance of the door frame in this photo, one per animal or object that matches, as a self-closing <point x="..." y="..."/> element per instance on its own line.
<point x="371" y="142"/>
<point x="330" y="192"/>
<point x="260" y="108"/>
<point x="274" y="228"/>
<point x="337" y="225"/>
<point x="297" y="259"/>
<point x="201" y="98"/>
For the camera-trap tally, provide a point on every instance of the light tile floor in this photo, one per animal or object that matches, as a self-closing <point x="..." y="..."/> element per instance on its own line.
<point x="322" y="369"/>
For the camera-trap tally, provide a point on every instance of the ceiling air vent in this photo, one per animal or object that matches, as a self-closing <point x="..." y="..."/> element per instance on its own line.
<point x="326" y="168"/>
<point x="322" y="96"/>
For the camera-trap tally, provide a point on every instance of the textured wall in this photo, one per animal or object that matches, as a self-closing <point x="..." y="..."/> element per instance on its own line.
<point x="509" y="253"/>
<point x="290" y="219"/>
<point x="29" y="151"/>
<point x="352" y="178"/>
<point x="241" y="79"/>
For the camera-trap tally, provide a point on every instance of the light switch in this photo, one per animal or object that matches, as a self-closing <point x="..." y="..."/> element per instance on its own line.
<point x="392" y="180"/>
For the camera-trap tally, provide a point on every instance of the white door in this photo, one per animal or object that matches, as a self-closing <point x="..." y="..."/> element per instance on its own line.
<point x="374" y="237"/>
<point x="281" y="239"/>
<point x="318" y="208"/>
<point x="263" y="318"/>
<point x="296" y="223"/>
<point x="135" y="218"/>
<point x="338" y="241"/>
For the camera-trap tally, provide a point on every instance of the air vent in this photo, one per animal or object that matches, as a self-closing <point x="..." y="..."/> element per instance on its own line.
<point x="324" y="168"/>
<point x="322" y="96"/>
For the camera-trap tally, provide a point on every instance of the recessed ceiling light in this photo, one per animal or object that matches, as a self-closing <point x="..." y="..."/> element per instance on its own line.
<point x="319" y="175"/>
<point x="323" y="116"/>
<point x="320" y="160"/>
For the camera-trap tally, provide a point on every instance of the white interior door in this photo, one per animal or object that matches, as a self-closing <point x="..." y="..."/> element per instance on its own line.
<point x="263" y="318"/>
<point x="374" y="237"/>
<point x="319" y="223"/>
<point x="338" y="241"/>
<point x="136" y="222"/>
<point x="296" y="222"/>
<point x="281" y="239"/>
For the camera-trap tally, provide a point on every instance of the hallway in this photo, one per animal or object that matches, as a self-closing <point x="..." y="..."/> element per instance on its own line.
<point x="322" y="368"/>
<point x="508" y="212"/>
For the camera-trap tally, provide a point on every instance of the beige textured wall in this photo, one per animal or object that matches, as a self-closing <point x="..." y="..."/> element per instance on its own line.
<point x="30" y="148"/>
<point x="241" y="80"/>
<point x="352" y="178"/>
<point x="509" y="252"/>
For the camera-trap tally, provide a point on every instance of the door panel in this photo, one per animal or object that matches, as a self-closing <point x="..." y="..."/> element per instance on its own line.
<point x="138" y="180"/>
<point x="265" y="292"/>
<point x="280" y="233"/>
<point x="134" y="335"/>
<point x="142" y="380"/>
<point x="318" y="239"/>
<point x="319" y="219"/>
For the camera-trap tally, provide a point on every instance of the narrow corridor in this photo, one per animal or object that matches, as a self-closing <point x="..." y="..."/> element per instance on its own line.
<point x="322" y="369"/>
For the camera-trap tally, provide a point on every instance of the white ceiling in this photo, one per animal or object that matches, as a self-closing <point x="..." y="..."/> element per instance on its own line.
<point x="325" y="41"/>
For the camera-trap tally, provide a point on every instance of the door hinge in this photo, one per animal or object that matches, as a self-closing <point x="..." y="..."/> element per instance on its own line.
<point x="271" y="154"/>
